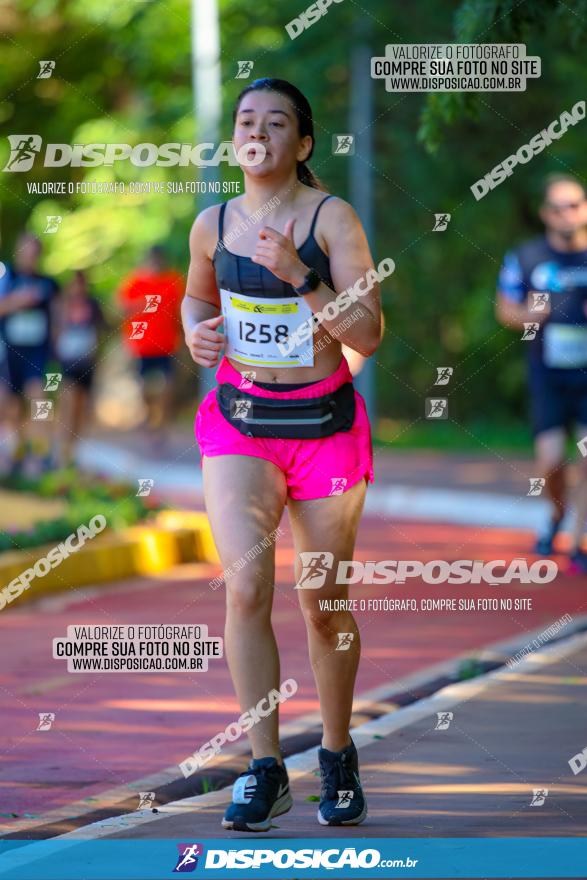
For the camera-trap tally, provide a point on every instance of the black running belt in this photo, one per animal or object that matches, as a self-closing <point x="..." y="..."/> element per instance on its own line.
<point x="294" y="418"/>
<point x="285" y="386"/>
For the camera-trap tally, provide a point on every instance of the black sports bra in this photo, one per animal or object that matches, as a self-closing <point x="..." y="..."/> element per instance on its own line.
<point x="241" y="275"/>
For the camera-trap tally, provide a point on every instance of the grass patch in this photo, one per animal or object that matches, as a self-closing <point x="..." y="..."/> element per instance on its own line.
<point x="86" y="496"/>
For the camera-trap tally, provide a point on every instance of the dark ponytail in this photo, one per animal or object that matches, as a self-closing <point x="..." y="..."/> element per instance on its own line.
<point x="303" y="113"/>
<point x="307" y="176"/>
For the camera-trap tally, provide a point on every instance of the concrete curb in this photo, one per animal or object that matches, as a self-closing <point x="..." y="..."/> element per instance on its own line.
<point x="172" y="538"/>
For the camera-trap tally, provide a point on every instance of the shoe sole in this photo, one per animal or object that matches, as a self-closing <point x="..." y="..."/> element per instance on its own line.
<point x="282" y="805"/>
<point x="360" y="818"/>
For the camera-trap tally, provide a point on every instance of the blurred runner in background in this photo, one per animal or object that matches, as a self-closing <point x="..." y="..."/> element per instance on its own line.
<point x="26" y="312"/>
<point x="79" y="322"/>
<point x="151" y="298"/>
<point x="542" y="290"/>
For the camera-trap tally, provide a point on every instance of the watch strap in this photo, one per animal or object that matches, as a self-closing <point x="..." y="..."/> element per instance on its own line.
<point x="311" y="282"/>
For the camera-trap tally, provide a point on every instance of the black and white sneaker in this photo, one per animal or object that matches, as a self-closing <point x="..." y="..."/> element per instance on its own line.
<point x="342" y="801"/>
<point x="258" y="795"/>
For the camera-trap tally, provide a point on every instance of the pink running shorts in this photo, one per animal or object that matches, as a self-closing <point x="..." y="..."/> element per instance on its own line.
<point x="312" y="468"/>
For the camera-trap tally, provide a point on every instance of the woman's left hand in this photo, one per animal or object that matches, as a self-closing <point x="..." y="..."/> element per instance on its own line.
<point x="277" y="253"/>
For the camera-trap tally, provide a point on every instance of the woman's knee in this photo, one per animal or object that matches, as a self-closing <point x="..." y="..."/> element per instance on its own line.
<point x="327" y="623"/>
<point x="249" y="594"/>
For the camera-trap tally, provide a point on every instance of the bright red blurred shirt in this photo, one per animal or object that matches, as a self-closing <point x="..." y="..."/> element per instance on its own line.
<point x="163" y="332"/>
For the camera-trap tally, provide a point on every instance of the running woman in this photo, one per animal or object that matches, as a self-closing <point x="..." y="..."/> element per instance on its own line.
<point x="543" y="284"/>
<point x="258" y="283"/>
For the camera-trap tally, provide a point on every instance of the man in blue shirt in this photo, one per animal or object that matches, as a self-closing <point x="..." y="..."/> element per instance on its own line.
<point x="542" y="291"/>
<point x="26" y="308"/>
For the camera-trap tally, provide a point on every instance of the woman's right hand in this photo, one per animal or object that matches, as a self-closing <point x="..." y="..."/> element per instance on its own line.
<point x="205" y="343"/>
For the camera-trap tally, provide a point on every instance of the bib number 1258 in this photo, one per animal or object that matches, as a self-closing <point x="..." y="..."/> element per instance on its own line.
<point x="247" y="332"/>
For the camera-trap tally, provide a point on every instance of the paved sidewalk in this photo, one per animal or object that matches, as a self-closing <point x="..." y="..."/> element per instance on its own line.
<point x="489" y="489"/>
<point x="495" y="472"/>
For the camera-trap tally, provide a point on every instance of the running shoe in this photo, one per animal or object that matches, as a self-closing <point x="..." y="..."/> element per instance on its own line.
<point x="545" y="542"/>
<point x="342" y="801"/>
<point x="258" y="795"/>
<point x="578" y="562"/>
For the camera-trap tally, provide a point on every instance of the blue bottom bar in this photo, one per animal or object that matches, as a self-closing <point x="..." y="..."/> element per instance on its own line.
<point x="252" y="857"/>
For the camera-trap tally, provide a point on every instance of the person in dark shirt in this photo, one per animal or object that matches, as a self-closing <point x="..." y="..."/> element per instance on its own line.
<point x="79" y="322"/>
<point x="26" y="310"/>
<point x="542" y="290"/>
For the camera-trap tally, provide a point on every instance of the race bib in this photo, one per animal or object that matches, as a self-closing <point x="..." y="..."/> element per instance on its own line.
<point x="27" y="328"/>
<point x="76" y="343"/>
<point x="254" y="327"/>
<point x="565" y="346"/>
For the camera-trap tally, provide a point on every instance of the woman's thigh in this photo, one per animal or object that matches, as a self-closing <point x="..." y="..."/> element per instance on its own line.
<point x="245" y="497"/>
<point x="324" y="526"/>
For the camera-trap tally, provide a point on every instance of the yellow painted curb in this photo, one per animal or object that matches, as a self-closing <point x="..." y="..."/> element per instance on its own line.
<point x="174" y="537"/>
<point x="198" y="523"/>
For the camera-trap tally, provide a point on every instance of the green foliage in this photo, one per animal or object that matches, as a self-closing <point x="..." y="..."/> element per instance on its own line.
<point x="87" y="497"/>
<point x="469" y="668"/>
<point x="124" y="75"/>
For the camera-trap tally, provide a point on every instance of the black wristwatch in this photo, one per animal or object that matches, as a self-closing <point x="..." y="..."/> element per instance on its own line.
<point x="311" y="282"/>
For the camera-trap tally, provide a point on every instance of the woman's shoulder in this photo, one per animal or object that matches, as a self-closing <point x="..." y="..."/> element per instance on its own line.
<point x="331" y="215"/>
<point x="331" y="207"/>
<point x="208" y="220"/>
<point x="204" y="231"/>
<point x="209" y="216"/>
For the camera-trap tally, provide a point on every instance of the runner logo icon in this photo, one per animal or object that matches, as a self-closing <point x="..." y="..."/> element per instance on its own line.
<point x="23" y="150"/>
<point x="444" y="719"/>
<point x="343" y="145"/>
<point x="244" y="69"/>
<point x="52" y="381"/>
<point x="537" y="484"/>
<point x="46" y="719"/>
<point x="152" y="302"/>
<point x="539" y="795"/>
<point x="247" y="378"/>
<point x="443" y="375"/>
<point x="314" y="569"/>
<point x="436" y="408"/>
<point x="240" y="408"/>
<point x="42" y="410"/>
<point x="530" y="330"/>
<point x="338" y="485"/>
<point x="344" y="641"/>
<point x="46" y="68"/>
<point x="53" y="223"/>
<point x="138" y="329"/>
<point x="539" y="301"/>
<point x="344" y="799"/>
<point x="441" y="222"/>
<point x="188" y="857"/>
